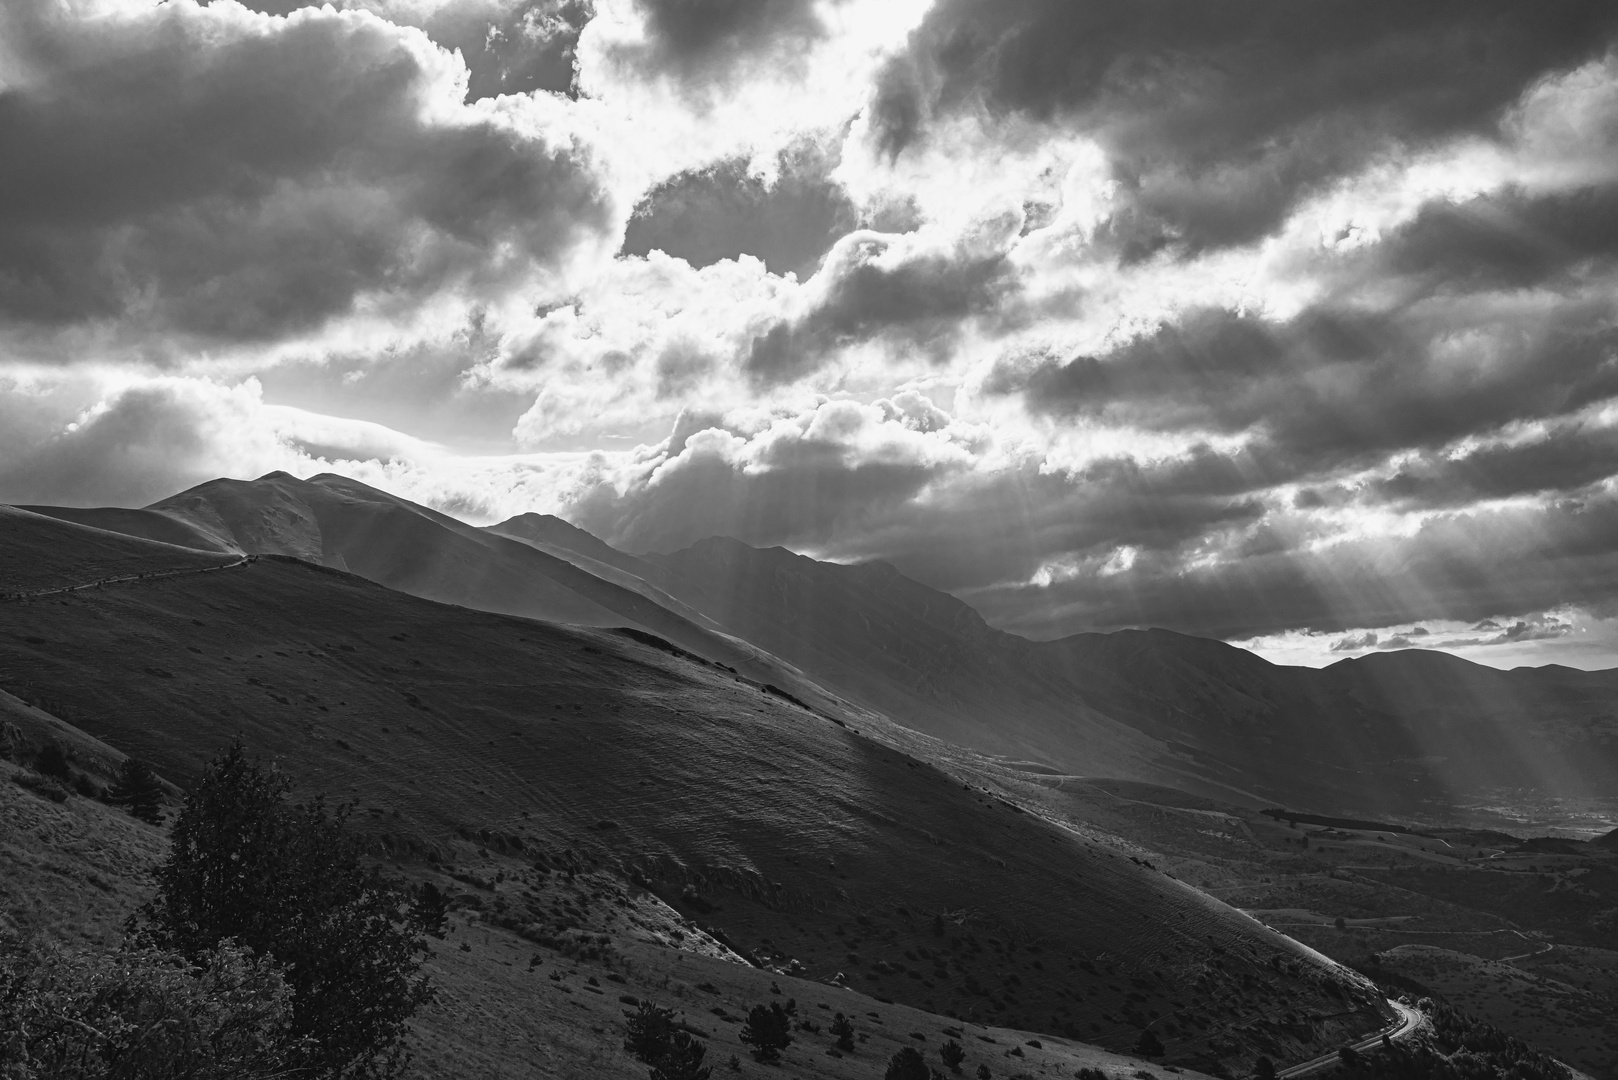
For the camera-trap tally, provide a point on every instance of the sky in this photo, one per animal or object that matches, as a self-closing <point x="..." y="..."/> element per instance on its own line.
<point x="1293" y="324"/>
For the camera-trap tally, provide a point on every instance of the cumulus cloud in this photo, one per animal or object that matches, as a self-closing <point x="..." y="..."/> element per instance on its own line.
<point x="215" y="175"/>
<point x="1219" y="120"/>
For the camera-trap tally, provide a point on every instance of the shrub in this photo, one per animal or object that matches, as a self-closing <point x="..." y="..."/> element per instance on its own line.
<point x="844" y="1031"/>
<point x="40" y="785"/>
<point x="769" y="1030"/>
<point x="683" y="1060"/>
<point x="907" y="1064"/>
<point x="52" y="761"/>
<point x="142" y="1013"/>
<point x="983" y="1072"/>
<point x="137" y="790"/>
<point x="287" y="883"/>
<point x="952" y="1054"/>
<point x="1149" y="1045"/>
<point x="1264" y="1069"/>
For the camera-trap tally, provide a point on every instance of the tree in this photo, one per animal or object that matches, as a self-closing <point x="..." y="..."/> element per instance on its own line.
<point x="983" y="1072"/>
<point x="907" y="1064"/>
<point x="683" y="1059"/>
<point x="287" y="884"/>
<point x="648" y="1031"/>
<point x="1340" y="922"/>
<point x="142" y="1014"/>
<point x="844" y="1031"/>
<point x="1149" y="1045"/>
<point x="1263" y="1069"/>
<point x="137" y="790"/>
<point x="52" y="761"/>
<point x="429" y="911"/>
<point x="1349" y="1056"/>
<point x="769" y="1030"/>
<point x="953" y="1055"/>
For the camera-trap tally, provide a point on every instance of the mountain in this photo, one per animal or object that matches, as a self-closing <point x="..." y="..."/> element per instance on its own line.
<point x="344" y="524"/>
<point x="485" y="745"/>
<point x="1407" y="733"/>
<point x="1413" y="734"/>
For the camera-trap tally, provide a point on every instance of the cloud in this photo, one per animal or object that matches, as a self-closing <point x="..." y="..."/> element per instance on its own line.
<point x="1218" y="121"/>
<point x="1367" y="640"/>
<point x="186" y="174"/>
<point x="893" y="288"/>
<point x="726" y="210"/>
<point x="810" y="477"/>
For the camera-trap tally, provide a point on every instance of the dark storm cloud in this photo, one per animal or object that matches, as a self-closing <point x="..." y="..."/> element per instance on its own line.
<point x="706" y="39"/>
<point x="1569" y="458"/>
<point x="923" y="302"/>
<point x="1507" y="240"/>
<point x="213" y="173"/>
<point x="1218" y="118"/>
<point x="1332" y="388"/>
<point x="1453" y="568"/>
<point x="724" y="211"/>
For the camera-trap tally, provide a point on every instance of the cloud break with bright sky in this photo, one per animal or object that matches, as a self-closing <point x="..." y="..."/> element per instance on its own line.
<point x="1294" y="324"/>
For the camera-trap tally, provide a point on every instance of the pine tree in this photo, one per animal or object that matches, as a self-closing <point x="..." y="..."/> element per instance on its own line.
<point x="952" y="1054"/>
<point x="137" y="790"/>
<point x="1149" y="1045"/>
<point x="429" y="910"/>
<point x="844" y="1031"/>
<point x="769" y="1030"/>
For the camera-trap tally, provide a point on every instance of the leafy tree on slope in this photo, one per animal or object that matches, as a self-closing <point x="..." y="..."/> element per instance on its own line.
<point x="287" y="883"/>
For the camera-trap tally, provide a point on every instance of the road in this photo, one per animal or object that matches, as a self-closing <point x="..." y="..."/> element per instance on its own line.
<point x="1402" y="1028"/>
<point x="151" y="575"/>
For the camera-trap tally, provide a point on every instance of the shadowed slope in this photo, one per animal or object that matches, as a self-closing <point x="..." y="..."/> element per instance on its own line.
<point x="1401" y="733"/>
<point x="796" y="835"/>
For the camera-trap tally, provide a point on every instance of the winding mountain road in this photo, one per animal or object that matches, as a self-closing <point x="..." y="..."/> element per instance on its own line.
<point x="1402" y="1028"/>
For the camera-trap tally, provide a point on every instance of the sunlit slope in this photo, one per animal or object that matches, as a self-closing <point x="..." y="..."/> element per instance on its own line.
<point x="40" y="552"/>
<point x="454" y="729"/>
<point x="338" y="522"/>
<point x="146" y="524"/>
<point x="1395" y="733"/>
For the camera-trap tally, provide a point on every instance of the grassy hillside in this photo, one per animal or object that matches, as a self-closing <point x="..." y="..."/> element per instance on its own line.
<point x="1407" y="734"/>
<point x="487" y="745"/>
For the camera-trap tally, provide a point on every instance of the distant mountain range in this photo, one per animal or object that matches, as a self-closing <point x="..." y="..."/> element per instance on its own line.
<point x="1415" y="733"/>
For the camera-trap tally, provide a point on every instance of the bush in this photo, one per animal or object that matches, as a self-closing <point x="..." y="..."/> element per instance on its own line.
<point x="40" y="785"/>
<point x="983" y="1072"/>
<point x="137" y="790"/>
<point x="952" y="1054"/>
<point x="769" y="1030"/>
<point x="1263" y="1069"/>
<point x="1149" y="1045"/>
<point x="844" y="1031"/>
<point x="142" y="1014"/>
<point x="907" y="1064"/>
<point x="287" y="884"/>
<point x="52" y="761"/>
<point x="683" y="1061"/>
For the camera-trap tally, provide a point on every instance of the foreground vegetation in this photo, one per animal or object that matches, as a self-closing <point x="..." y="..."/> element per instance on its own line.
<point x="268" y="951"/>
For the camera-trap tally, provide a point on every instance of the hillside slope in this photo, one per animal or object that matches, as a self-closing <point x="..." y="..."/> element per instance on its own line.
<point x="1395" y="734"/>
<point x="341" y="523"/>
<point x="465" y="736"/>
